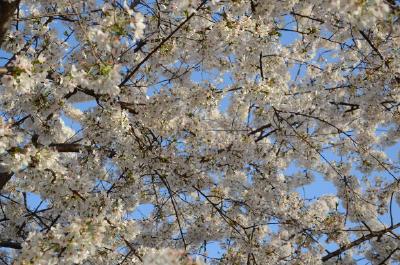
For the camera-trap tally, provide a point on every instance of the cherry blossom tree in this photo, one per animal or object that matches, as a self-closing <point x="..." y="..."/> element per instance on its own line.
<point x="201" y="112"/>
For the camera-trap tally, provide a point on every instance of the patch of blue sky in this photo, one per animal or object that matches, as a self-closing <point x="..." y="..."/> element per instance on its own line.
<point x="35" y="202"/>
<point x="76" y="126"/>
<point x="287" y="38"/>
<point x="382" y="172"/>
<point x="142" y="212"/>
<point x="318" y="187"/>
<point x="85" y="105"/>
<point x="4" y="57"/>
<point x="212" y="250"/>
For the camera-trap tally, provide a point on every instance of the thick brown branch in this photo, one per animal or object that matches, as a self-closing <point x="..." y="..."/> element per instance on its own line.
<point x="68" y="148"/>
<point x="359" y="241"/>
<point x="4" y="178"/>
<point x="6" y="12"/>
<point x="9" y="244"/>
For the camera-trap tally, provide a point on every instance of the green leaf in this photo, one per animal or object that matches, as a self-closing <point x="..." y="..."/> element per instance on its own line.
<point x="105" y="69"/>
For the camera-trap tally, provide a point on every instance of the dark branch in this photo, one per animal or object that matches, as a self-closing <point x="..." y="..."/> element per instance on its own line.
<point x="10" y="244"/>
<point x="359" y="241"/>
<point x="4" y="178"/>
<point x="372" y="45"/>
<point x="7" y="10"/>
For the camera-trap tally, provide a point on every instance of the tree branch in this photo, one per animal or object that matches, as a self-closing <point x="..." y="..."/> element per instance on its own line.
<point x="6" y="12"/>
<point x="67" y="148"/>
<point x="372" y="46"/>
<point x="5" y="175"/>
<point x="4" y="178"/>
<point x="10" y="244"/>
<point x="134" y="70"/>
<point x="359" y="241"/>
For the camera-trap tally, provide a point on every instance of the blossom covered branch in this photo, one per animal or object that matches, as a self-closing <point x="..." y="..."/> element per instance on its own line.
<point x="199" y="132"/>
